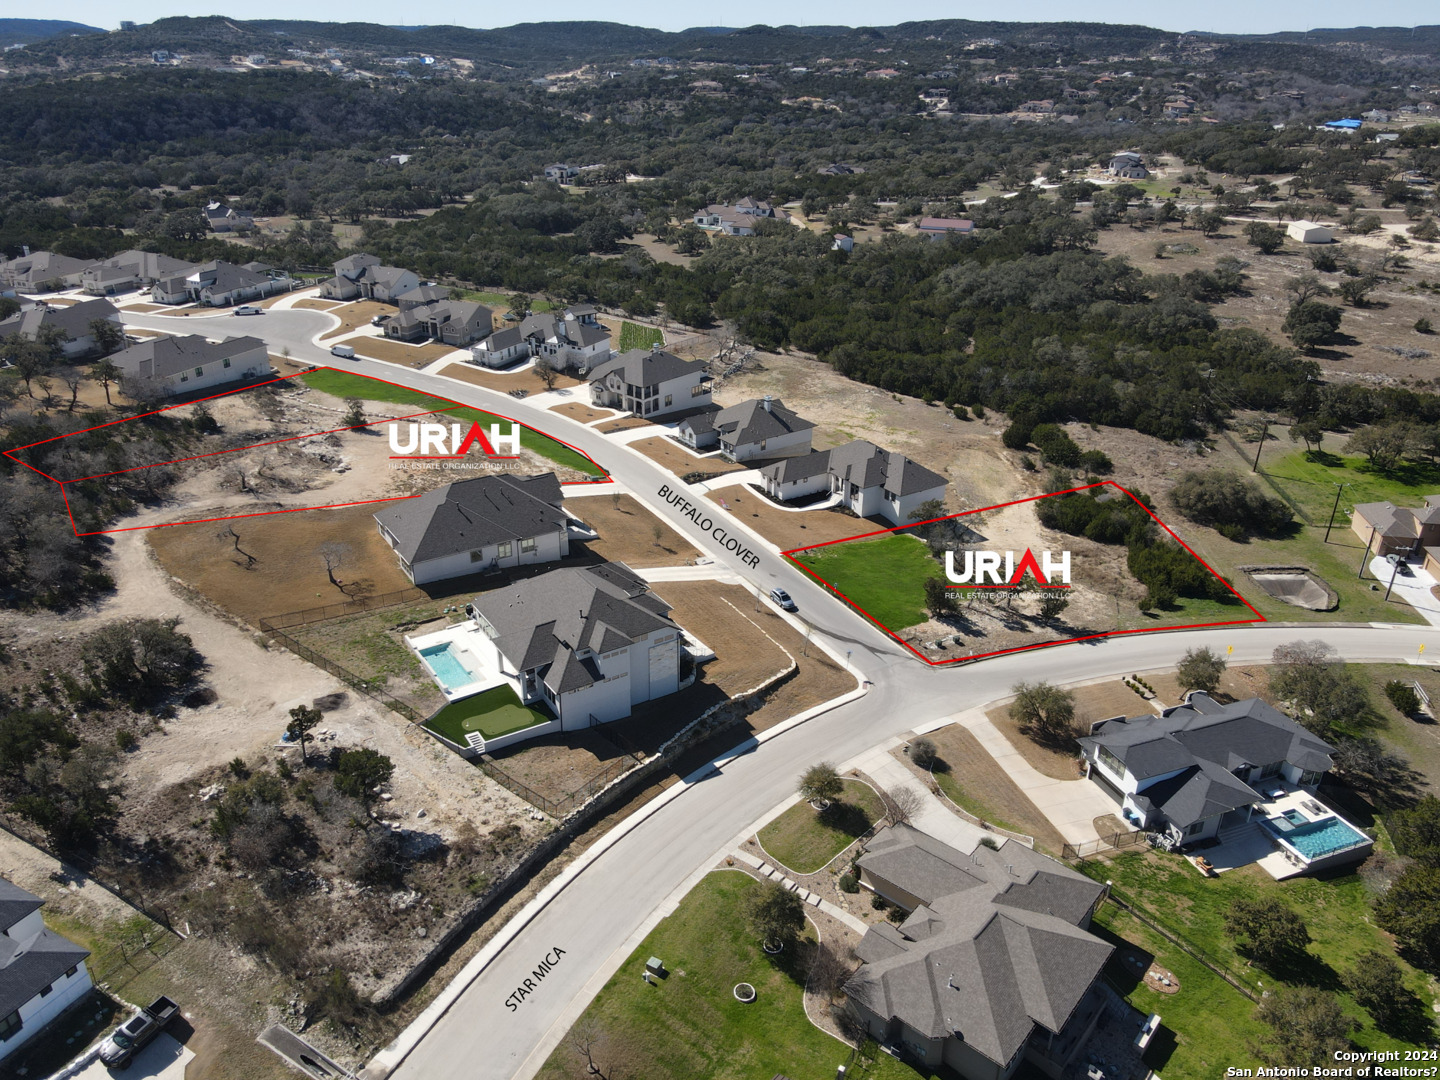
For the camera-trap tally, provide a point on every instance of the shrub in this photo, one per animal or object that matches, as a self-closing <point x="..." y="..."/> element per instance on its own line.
<point x="1422" y="326"/>
<point x="1222" y="498"/>
<point x="961" y="412"/>
<point x="1017" y="435"/>
<point x="990" y="842"/>
<point x="125" y="740"/>
<point x="923" y="752"/>
<point x="878" y="902"/>
<point x="1097" y="462"/>
<point x="849" y="883"/>
<point x="1403" y="696"/>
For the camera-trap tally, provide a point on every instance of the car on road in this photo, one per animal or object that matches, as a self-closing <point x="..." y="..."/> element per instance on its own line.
<point x="247" y="309"/>
<point x="345" y="352"/>
<point x="136" y="1033"/>
<point x="781" y="597"/>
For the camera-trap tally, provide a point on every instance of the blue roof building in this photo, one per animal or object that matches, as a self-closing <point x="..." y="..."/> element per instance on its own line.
<point x="1343" y="125"/>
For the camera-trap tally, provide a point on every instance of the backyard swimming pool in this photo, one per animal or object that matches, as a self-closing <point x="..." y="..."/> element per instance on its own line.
<point x="1317" y="839"/>
<point x="446" y="666"/>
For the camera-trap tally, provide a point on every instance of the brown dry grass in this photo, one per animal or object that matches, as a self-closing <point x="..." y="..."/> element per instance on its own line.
<point x="143" y="309"/>
<point x="625" y="423"/>
<point x="288" y="574"/>
<point x="574" y="409"/>
<point x="667" y="452"/>
<point x="311" y="303"/>
<point x="1105" y="700"/>
<point x="518" y="380"/>
<point x="787" y="528"/>
<point x="1058" y="764"/>
<point x="725" y="619"/>
<point x="995" y="796"/>
<point x="354" y="315"/>
<point x="627" y="532"/>
<point x="397" y="352"/>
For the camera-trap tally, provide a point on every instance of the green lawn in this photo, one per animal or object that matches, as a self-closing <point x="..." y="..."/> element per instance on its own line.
<point x="345" y="384"/>
<point x="635" y="336"/>
<point x="804" y="840"/>
<point x="885" y="577"/>
<point x="1336" y="910"/>
<point x="495" y="712"/>
<point x="690" y="1027"/>
<point x="1311" y="482"/>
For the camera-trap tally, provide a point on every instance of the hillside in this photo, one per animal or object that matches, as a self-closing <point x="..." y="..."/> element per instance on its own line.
<point x="25" y="31"/>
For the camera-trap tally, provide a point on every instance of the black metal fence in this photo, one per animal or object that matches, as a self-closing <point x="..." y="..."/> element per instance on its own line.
<point x="347" y="607"/>
<point x="345" y="675"/>
<point x="1214" y="963"/>
<point x="568" y="803"/>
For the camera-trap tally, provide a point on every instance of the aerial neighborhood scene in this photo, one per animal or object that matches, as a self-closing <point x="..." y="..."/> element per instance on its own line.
<point x="852" y="545"/>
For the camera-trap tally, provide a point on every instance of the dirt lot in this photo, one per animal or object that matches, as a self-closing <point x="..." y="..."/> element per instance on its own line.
<point x="669" y="453"/>
<point x="788" y="529"/>
<point x="1054" y="763"/>
<point x="623" y="424"/>
<point x="517" y="380"/>
<point x="398" y="352"/>
<point x="578" y="411"/>
<point x="313" y="304"/>
<point x="995" y="796"/>
<point x="627" y="531"/>
<point x="288" y="572"/>
<point x="353" y="315"/>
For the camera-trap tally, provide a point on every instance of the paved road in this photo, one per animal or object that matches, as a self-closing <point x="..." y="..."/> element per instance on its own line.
<point x="593" y="918"/>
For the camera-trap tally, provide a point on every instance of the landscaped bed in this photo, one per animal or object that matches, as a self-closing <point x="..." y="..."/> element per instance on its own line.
<point x="494" y="712"/>
<point x="690" y="1024"/>
<point x="804" y="840"/>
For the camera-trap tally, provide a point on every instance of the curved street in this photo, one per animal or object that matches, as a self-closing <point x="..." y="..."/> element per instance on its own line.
<point x="596" y="917"/>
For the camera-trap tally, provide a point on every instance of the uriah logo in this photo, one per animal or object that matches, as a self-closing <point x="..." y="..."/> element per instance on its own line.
<point x="453" y="440"/>
<point x="982" y="569"/>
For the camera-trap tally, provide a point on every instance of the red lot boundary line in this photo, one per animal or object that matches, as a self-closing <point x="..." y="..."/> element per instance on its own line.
<point x="69" y="511"/>
<point x="790" y="555"/>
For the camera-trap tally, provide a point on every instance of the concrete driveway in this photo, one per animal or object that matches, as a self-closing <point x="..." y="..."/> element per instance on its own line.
<point x="1413" y="590"/>
<point x="163" y="1059"/>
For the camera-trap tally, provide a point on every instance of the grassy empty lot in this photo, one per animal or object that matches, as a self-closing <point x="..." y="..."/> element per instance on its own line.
<point x="635" y="336"/>
<point x="690" y="1027"/>
<point x="344" y="384"/>
<point x="804" y="840"/>
<point x="1336" y="909"/>
<point x="506" y="380"/>
<point x="494" y="712"/>
<point x="885" y="577"/>
<point x="1310" y="480"/>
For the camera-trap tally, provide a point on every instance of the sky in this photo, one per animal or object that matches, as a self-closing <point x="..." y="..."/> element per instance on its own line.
<point x="1220" y="16"/>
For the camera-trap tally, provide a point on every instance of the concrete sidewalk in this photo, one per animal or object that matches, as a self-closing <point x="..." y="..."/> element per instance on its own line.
<point x="934" y="817"/>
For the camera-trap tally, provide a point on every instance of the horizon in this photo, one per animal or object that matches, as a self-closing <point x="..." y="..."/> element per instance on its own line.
<point x="1222" y="17"/>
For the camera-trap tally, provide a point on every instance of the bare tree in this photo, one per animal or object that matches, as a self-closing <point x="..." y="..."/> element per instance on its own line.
<point x="235" y="472"/>
<point x="229" y="533"/>
<point x="545" y="371"/>
<point x="902" y="804"/>
<point x="829" y="970"/>
<point x="589" y="1042"/>
<point x="333" y="555"/>
<point x="72" y="378"/>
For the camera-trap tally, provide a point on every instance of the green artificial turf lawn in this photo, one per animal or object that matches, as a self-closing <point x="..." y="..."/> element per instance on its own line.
<point x="492" y="713"/>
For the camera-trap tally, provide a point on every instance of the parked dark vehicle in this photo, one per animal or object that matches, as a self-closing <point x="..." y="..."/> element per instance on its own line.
<point x="136" y="1033"/>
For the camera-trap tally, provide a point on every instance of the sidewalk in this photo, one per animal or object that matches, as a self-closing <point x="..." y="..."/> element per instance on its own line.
<point x="935" y="817"/>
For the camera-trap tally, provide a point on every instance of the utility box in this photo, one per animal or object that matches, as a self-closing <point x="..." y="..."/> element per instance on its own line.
<point x="655" y="966"/>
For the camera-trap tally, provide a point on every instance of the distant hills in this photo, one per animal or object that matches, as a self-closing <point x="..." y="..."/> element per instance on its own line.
<point x="25" y="31"/>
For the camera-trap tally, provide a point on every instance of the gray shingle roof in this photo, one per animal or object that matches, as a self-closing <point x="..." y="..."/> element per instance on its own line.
<point x="997" y="953"/>
<point x="15" y="903"/>
<point x="504" y="339"/>
<point x="546" y="622"/>
<point x="165" y="356"/>
<point x="74" y="320"/>
<point x="40" y="266"/>
<point x="473" y="513"/>
<point x="861" y="463"/>
<point x="643" y="367"/>
<point x="224" y="277"/>
<point x="28" y="965"/>
<point x="751" y="421"/>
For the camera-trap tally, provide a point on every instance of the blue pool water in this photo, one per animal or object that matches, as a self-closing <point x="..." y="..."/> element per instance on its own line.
<point x="446" y="666"/>
<point x="1320" y="838"/>
<point x="1295" y="817"/>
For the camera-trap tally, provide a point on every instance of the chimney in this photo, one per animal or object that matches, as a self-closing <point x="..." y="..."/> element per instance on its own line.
<point x="766" y="404"/>
<point x="654" y="346"/>
<point x="25" y="250"/>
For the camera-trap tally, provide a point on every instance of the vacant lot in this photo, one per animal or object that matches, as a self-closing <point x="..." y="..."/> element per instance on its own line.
<point x="527" y="379"/>
<point x="354" y="315"/>
<point x="680" y="461"/>
<point x="804" y="840"/>
<point x="788" y="529"/>
<point x="288" y="568"/>
<point x="725" y="617"/>
<point x="625" y="423"/>
<point x="576" y="410"/>
<point x="690" y="1025"/>
<point x="884" y="577"/>
<point x="629" y="533"/>
<point x="969" y="776"/>
<point x="398" y="352"/>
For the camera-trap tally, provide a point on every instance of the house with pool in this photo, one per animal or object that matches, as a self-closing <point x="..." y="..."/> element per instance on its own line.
<point x="1239" y="780"/>
<point x="568" y="649"/>
<point x="485" y="523"/>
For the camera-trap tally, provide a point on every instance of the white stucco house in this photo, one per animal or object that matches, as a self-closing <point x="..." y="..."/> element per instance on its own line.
<point x="363" y="277"/>
<point x="649" y="382"/>
<point x="41" y="973"/>
<point x="758" y="428"/>
<point x="484" y="523"/>
<point x="180" y="365"/>
<point x="869" y="480"/>
<point x="590" y="642"/>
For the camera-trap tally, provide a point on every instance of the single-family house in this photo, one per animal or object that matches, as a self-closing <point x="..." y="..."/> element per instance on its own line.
<point x="1307" y="232"/>
<point x="994" y="966"/>
<point x="1345" y="126"/>
<point x="180" y="365"/>
<point x="758" y="428"/>
<point x="649" y="382"/>
<point x="589" y="642"/>
<point x="41" y="973"/>
<point x="222" y="284"/>
<point x="941" y="226"/>
<point x="842" y="242"/>
<point x="573" y="341"/>
<point x="484" y="523"/>
<point x="422" y="295"/>
<point x="561" y="172"/>
<point x="868" y="480"/>
<point x="719" y="217"/>
<point x="42" y="271"/>
<point x="73" y="320"/>
<point x="1128" y="166"/>
<point x="1375" y="116"/>
<point x="755" y="207"/>
<point x="131" y="270"/>
<point x="223" y="219"/>
<point x="1201" y="766"/>
<point x="1397" y="530"/>
<point x="362" y="276"/>
<point x="453" y="322"/>
<point x="502" y="348"/>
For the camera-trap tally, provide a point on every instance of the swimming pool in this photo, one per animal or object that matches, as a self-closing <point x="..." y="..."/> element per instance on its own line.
<point x="1295" y="817"/>
<point x="1317" y="839"/>
<point x="446" y="666"/>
